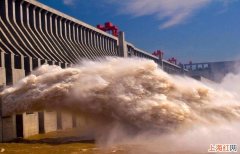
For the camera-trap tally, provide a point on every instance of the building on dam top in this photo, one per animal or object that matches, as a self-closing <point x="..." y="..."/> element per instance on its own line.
<point x="214" y="71"/>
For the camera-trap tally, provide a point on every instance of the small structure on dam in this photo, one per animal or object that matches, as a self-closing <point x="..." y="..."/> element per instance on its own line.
<point x="33" y="34"/>
<point x="214" y="71"/>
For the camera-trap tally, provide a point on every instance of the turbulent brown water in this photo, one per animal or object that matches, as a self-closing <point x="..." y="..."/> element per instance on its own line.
<point x="133" y="97"/>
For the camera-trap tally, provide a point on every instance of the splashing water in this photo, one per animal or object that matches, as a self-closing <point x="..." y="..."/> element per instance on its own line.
<point x="137" y="96"/>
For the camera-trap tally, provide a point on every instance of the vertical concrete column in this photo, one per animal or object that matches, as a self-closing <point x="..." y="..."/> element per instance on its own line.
<point x="90" y="37"/>
<point x="94" y="39"/>
<point x="106" y="44"/>
<point x="112" y="47"/>
<point x="97" y="42"/>
<point x="101" y="42"/>
<point x="77" y="34"/>
<point x="122" y="45"/>
<point x="2" y="59"/>
<point x="74" y="32"/>
<point x="182" y="69"/>
<point x="50" y="121"/>
<point x="31" y="64"/>
<point x="61" y="27"/>
<point x="2" y="70"/>
<point x="9" y="128"/>
<point x="109" y="47"/>
<point x="30" y="124"/>
<point x="132" y="53"/>
<point x="65" y="29"/>
<point x="12" y="60"/>
<point x="90" y="40"/>
<point x="161" y="60"/>
<point x="39" y="62"/>
<point x="69" y="30"/>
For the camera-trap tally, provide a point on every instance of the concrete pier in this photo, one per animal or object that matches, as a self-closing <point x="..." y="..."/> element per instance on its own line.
<point x="67" y="120"/>
<point x="47" y="121"/>
<point x="9" y="128"/>
<point x="30" y="124"/>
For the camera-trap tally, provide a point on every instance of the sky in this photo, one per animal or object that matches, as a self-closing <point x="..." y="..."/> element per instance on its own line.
<point x="189" y="30"/>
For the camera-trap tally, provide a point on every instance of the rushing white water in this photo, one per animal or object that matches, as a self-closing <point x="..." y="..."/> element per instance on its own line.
<point x="136" y="97"/>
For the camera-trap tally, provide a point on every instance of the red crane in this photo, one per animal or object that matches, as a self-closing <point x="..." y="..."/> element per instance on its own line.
<point x="173" y="60"/>
<point x="109" y="27"/>
<point x="158" y="53"/>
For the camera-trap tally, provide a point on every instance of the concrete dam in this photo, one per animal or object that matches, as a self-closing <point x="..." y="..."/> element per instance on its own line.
<point x="33" y="34"/>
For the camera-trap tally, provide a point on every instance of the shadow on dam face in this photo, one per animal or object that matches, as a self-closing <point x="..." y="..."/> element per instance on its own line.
<point x="19" y="125"/>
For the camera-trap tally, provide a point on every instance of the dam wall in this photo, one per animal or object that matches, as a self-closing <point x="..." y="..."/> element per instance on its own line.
<point x="33" y="34"/>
